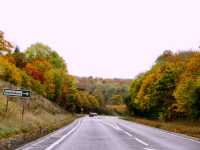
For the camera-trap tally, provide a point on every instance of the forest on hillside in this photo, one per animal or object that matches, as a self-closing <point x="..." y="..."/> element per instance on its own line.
<point x="107" y="91"/>
<point x="40" y="69"/>
<point x="110" y="93"/>
<point x="170" y="89"/>
<point x="43" y="70"/>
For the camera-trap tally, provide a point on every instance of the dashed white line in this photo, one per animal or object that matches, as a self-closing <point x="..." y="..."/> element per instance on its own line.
<point x="62" y="138"/>
<point x="149" y="149"/>
<point x="127" y="133"/>
<point x="142" y="142"/>
<point x="123" y="130"/>
<point x="171" y="133"/>
<point x="109" y="124"/>
<point x="116" y="127"/>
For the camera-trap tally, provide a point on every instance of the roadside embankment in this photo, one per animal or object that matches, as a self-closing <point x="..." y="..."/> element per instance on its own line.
<point x="40" y="118"/>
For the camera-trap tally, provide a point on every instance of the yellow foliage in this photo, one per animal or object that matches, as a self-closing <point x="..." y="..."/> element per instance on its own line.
<point x="9" y="72"/>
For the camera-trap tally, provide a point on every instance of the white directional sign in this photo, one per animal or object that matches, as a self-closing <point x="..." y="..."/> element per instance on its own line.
<point x="19" y="93"/>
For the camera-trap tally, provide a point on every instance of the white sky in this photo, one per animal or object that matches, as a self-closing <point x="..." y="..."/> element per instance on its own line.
<point x="105" y="38"/>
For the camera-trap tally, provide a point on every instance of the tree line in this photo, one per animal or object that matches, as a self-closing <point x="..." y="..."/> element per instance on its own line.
<point x="44" y="71"/>
<point x="170" y="89"/>
<point x="107" y="91"/>
<point x="110" y="93"/>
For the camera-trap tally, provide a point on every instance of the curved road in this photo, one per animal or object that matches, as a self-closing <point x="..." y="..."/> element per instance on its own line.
<point x="111" y="133"/>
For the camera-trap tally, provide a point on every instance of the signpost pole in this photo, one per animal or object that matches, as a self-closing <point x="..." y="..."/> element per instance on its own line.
<point x="23" y="111"/>
<point x="6" y="104"/>
<point x="17" y="93"/>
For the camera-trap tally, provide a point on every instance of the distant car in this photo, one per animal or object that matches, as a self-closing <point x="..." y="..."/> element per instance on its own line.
<point x="92" y="114"/>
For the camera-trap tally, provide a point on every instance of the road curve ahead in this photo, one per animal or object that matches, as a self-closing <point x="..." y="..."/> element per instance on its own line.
<point x="111" y="133"/>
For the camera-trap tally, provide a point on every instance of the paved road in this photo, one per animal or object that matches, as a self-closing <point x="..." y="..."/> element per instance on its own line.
<point x="111" y="133"/>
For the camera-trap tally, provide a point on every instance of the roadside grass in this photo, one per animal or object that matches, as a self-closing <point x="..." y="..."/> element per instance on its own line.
<point x="40" y="117"/>
<point x="11" y="123"/>
<point x="190" y="128"/>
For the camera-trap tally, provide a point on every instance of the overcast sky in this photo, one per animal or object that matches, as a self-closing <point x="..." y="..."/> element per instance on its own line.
<point x="104" y="38"/>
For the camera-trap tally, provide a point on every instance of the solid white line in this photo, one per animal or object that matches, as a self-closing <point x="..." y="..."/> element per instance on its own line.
<point x="40" y="140"/>
<point x="142" y="142"/>
<point x="62" y="138"/>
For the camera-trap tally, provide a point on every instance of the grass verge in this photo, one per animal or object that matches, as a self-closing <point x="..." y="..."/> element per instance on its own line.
<point x="14" y="135"/>
<point x="41" y="117"/>
<point x="190" y="128"/>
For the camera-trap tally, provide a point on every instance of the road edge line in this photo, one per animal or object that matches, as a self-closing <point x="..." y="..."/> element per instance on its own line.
<point x="63" y="137"/>
<point x="183" y="136"/>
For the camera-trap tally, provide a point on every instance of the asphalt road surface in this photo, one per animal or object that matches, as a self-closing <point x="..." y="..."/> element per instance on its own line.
<point x="111" y="133"/>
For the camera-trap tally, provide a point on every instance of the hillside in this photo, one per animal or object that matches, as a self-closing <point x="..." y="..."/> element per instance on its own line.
<point x="41" y="69"/>
<point x="108" y="91"/>
<point x="111" y="93"/>
<point x="41" y="116"/>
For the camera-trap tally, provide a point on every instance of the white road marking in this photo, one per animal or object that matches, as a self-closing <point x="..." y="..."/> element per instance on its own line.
<point x="109" y="124"/>
<point x="41" y="140"/>
<point x="168" y="132"/>
<point x="127" y="133"/>
<point x="116" y="127"/>
<point x="142" y="142"/>
<point x="149" y="149"/>
<point x="62" y="138"/>
<point x="123" y="130"/>
<point x="28" y="148"/>
<point x="174" y="134"/>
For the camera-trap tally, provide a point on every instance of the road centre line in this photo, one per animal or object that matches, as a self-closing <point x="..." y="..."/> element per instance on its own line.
<point x="116" y="127"/>
<point x="127" y="133"/>
<point x="123" y="130"/>
<point x="142" y="142"/>
<point x="109" y="124"/>
<point x="63" y="137"/>
<point x="120" y="129"/>
<point x="149" y="149"/>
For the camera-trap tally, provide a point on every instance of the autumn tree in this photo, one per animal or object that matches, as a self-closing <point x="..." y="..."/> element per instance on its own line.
<point x="5" y="46"/>
<point x="19" y="58"/>
<point x="170" y="89"/>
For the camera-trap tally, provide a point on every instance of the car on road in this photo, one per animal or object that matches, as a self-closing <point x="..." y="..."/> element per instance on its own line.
<point x="92" y="114"/>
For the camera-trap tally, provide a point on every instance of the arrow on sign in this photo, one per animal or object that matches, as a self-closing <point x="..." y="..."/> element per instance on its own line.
<point x="18" y="93"/>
